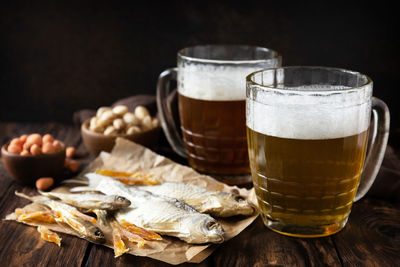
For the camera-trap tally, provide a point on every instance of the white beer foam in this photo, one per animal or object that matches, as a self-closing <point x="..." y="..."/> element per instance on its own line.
<point x="207" y="82"/>
<point x="324" y="116"/>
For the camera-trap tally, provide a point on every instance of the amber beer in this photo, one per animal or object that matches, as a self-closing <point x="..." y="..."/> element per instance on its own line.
<point x="214" y="134"/>
<point x="303" y="183"/>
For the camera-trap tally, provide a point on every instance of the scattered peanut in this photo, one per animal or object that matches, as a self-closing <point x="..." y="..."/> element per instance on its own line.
<point x="73" y="165"/>
<point x="70" y="152"/>
<point x="118" y="120"/>
<point x="44" y="183"/>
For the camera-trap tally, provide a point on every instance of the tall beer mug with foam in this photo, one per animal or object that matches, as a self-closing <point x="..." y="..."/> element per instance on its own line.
<point x="211" y="99"/>
<point x="308" y="131"/>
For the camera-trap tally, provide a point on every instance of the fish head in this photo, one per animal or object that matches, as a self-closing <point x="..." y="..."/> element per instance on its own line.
<point x="119" y="202"/>
<point x="234" y="204"/>
<point x="206" y="229"/>
<point x="96" y="235"/>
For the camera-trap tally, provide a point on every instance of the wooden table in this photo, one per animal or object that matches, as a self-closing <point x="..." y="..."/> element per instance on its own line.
<point x="371" y="237"/>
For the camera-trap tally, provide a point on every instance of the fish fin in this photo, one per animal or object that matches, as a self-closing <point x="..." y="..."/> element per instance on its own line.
<point x="75" y="181"/>
<point x="81" y="189"/>
<point x="48" y="194"/>
<point x="24" y="196"/>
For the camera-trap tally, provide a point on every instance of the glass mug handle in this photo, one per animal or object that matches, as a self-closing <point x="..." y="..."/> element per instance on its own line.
<point x="166" y="118"/>
<point x="380" y="133"/>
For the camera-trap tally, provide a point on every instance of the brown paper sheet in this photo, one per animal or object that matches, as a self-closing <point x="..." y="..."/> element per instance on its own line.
<point x="130" y="157"/>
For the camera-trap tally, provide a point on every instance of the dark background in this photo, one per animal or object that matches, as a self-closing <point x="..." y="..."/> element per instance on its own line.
<point x="56" y="58"/>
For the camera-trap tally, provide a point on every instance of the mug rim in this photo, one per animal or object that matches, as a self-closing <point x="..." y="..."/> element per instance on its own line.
<point x="274" y="54"/>
<point x="250" y="81"/>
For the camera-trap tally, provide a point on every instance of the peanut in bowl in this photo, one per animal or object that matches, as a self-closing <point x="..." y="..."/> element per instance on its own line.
<point x="99" y="132"/>
<point x="26" y="169"/>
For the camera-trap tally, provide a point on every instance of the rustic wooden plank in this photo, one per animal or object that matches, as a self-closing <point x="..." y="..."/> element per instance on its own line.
<point x="103" y="256"/>
<point x="259" y="246"/>
<point x="372" y="235"/>
<point x="21" y="245"/>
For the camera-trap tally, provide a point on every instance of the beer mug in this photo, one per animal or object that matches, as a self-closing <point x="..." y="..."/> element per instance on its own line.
<point x="211" y="99"/>
<point x="307" y="130"/>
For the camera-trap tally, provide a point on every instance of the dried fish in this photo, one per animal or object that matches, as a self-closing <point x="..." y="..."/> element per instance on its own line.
<point x="81" y="223"/>
<point x="160" y="214"/>
<point x="219" y="204"/>
<point x="49" y="236"/>
<point x="131" y="178"/>
<point x="91" y="200"/>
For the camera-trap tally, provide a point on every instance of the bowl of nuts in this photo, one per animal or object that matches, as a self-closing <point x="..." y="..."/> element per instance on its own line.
<point x="99" y="132"/>
<point x="28" y="157"/>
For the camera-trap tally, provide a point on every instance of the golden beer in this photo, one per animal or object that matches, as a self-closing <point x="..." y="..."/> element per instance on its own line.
<point x="214" y="134"/>
<point x="306" y="183"/>
<point x="307" y="133"/>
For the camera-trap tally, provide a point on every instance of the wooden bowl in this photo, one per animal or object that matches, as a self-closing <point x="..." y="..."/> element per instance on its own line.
<point x="27" y="169"/>
<point x="97" y="142"/>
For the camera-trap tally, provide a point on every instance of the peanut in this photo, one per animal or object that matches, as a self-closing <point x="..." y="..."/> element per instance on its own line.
<point x="15" y="149"/>
<point x="73" y="165"/>
<point x="119" y="124"/>
<point x="120" y="110"/>
<point x="25" y="153"/>
<point x="23" y="138"/>
<point x="146" y="123"/>
<point x="44" y="183"/>
<point x="110" y="130"/>
<point x="101" y="110"/>
<point x="105" y="118"/>
<point x="70" y="152"/>
<point x="141" y="112"/>
<point x="35" y="139"/>
<point x="130" y="119"/>
<point x="155" y="122"/>
<point x="48" y="138"/>
<point x="48" y="148"/>
<point x="133" y="130"/>
<point x="35" y="150"/>
<point x="57" y="145"/>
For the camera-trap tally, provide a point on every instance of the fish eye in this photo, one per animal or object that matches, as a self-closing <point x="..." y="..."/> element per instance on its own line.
<point x="121" y="198"/>
<point x="239" y="198"/>
<point x="211" y="225"/>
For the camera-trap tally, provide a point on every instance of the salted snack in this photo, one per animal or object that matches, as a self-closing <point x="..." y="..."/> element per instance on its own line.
<point x="44" y="183"/>
<point x="219" y="204"/>
<point x="49" y="236"/>
<point x="91" y="200"/>
<point x="34" y="145"/>
<point x="159" y="214"/>
<point x="118" y="120"/>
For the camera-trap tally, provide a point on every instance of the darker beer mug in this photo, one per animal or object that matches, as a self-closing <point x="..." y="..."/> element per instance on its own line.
<point x="211" y="99"/>
<point x="308" y="131"/>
